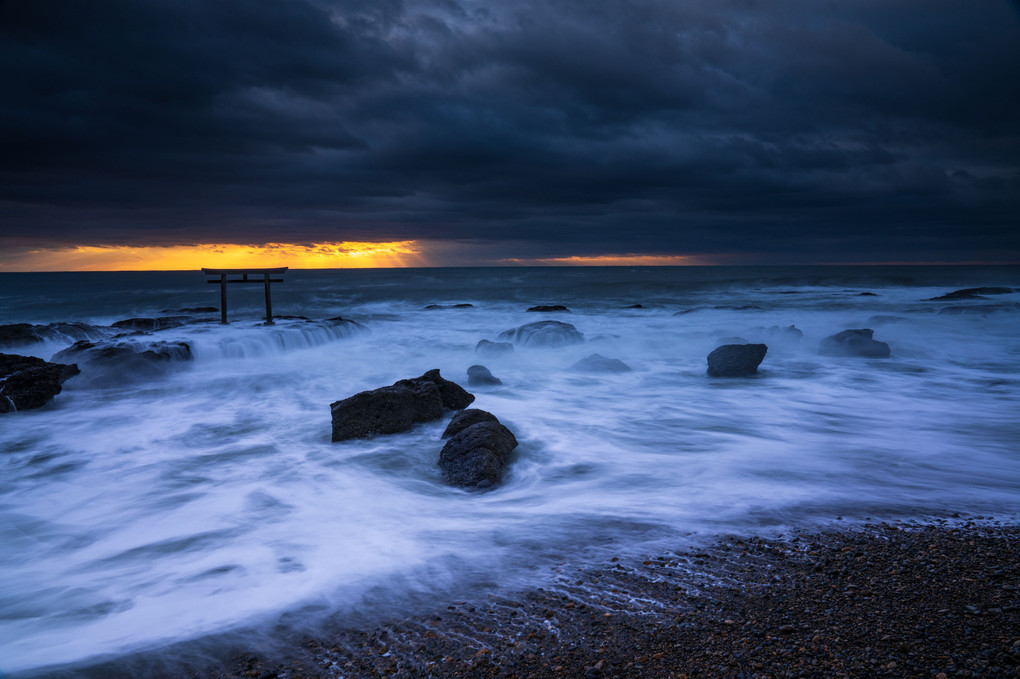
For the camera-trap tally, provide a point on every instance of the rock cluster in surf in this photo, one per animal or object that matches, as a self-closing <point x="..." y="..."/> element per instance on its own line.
<point x="28" y="382"/>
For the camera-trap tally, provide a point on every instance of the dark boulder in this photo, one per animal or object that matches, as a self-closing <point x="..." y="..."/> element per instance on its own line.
<point x="475" y="456"/>
<point x="491" y="349"/>
<point x="18" y="334"/>
<point x="867" y="294"/>
<point x="543" y="334"/>
<point x="479" y="376"/>
<point x="635" y="306"/>
<point x="736" y="360"/>
<point x="396" y="408"/>
<point x="28" y="382"/>
<point x="464" y="305"/>
<point x="854" y="343"/>
<point x="549" y="307"/>
<point x="971" y="293"/>
<point x="597" y="363"/>
<point x="465" y="418"/>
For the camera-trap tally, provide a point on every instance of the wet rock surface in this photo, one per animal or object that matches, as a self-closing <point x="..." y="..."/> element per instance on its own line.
<point x="493" y="349"/>
<point x="475" y="456"/>
<point x="465" y="419"/>
<point x="151" y="324"/>
<point x="547" y="308"/>
<point x="23" y="334"/>
<point x="597" y="363"/>
<point x="396" y="408"/>
<point x="480" y="376"/>
<point x="854" y="343"/>
<point x="736" y="360"/>
<point x="882" y="600"/>
<point x="543" y="334"/>
<point x="27" y="382"/>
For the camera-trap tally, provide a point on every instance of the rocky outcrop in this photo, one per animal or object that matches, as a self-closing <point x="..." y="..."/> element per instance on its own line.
<point x="22" y="334"/>
<point x="117" y="362"/>
<point x="393" y="409"/>
<point x="466" y="418"/>
<point x="151" y="324"/>
<point x="736" y="360"/>
<point x="479" y="376"/>
<point x="854" y="343"/>
<point x="433" y="307"/>
<point x="543" y="334"/>
<point x="597" y="363"/>
<point x="971" y="293"/>
<point x="476" y="455"/>
<point x="493" y="349"/>
<point x="28" y="382"/>
<point x="549" y="308"/>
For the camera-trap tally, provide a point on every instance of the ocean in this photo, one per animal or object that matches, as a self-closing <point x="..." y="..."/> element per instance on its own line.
<point x="144" y="507"/>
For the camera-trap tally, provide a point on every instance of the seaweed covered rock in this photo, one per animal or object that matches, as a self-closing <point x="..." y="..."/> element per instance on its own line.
<point x="476" y="456"/>
<point x="543" y="334"/>
<point x="597" y="363"/>
<point x="736" y="360"/>
<point x="480" y="376"/>
<point x="396" y="408"/>
<point x="28" y="382"/>
<point x="857" y="342"/>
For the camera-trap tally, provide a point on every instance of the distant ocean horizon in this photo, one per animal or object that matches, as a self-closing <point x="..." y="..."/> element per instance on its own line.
<point x="144" y="507"/>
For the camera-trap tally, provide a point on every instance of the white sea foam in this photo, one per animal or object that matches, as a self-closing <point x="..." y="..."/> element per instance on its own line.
<point x="161" y="509"/>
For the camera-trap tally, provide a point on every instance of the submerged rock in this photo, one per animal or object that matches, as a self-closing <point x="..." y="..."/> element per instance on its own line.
<point x="28" y="382"/>
<point x="736" y="360"/>
<point x="116" y="362"/>
<point x="854" y="343"/>
<point x="479" y="376"/>
<point x="465" y="418"/>
<point x="597" y="363"/>
<point x="492" y="349"/>
<point x="971" y="293"/>
<point x="544" y="334"/>
<point x="475" y="456"/>
<point x="393" y="409"/>
<point x="549" y="307"/>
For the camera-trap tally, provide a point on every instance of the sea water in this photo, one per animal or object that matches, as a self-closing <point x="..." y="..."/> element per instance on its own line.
<point x="150" y="509"/>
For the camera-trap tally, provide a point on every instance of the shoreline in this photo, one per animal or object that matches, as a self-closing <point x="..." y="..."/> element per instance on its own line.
<point x="934" y="599"/>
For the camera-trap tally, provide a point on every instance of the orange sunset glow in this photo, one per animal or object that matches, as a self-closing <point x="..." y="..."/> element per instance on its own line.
<point x="613" y="260"/>
<point x="345" y="254"/>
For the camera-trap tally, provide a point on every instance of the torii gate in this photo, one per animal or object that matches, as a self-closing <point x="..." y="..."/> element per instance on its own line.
<point x="224" y="278"/>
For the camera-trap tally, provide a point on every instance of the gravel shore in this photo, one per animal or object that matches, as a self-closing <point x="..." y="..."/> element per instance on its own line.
<point x="895" y="599"/>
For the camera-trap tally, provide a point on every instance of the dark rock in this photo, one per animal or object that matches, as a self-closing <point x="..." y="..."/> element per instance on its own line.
<point x="450" y="306"/>
<point x="21" y="334"/>
<point x="479" y="376"/>
<point x="396" y="408"/>
<point x="854" y="343"/>
<point x="597" y="363"/>
<point x="549" y="307"/>
<point x="736" y="360"/>
<point x="544" y="334"/>
<point x="635" y="306"/>
<point x="454" y="396"/>
<point x="116" y="362"/>
<point x="150" y="324"/>
<point x="192" y="310"/>
<point x="28" y="382"/>
<point x="463" y="305"/>
<point x="721" y="307"/>
<point x="487" y="348"/>
<point x="465" y="418"/>
<point x="971" y="293"/>
<point x="866" y="294"/>
<point x="475" y="456"/>
<point x="346" y="322"/>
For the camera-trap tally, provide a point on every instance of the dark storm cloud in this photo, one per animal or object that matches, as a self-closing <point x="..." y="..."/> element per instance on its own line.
<point x="865" y="129"/>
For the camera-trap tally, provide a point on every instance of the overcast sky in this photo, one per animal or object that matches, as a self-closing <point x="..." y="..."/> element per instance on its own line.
<point x="778" y="131"/>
